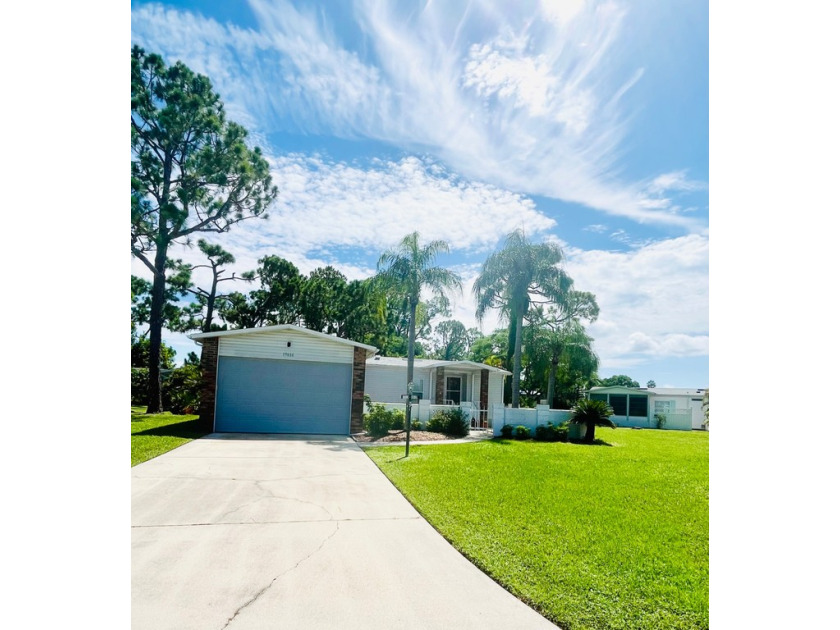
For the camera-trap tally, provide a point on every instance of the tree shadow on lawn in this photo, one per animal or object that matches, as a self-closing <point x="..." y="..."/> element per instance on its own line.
<point x="595" y="442"/>
<point x="185" y="429"/>
<point x="509" y="441"/>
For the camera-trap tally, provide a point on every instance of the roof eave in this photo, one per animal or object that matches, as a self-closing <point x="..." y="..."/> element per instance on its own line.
<point x="197" y="337"/>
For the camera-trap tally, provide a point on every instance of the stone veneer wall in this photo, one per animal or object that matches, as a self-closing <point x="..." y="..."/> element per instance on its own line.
<point x="485" y="382"/>
<point x="440" y="386"/>
<point x="357" y="404"/>
<point x="209" y="362"/>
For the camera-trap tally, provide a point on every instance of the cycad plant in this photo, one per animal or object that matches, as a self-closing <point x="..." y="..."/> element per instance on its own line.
<point x="592" y="413"/>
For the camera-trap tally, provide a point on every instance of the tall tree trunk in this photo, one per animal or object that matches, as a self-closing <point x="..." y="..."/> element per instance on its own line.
<point x="412" y="320"/>
<point x="552" y="375"/>
<point x="211" y="301"/>
<point x="517" y="356"/>
<point x="511" y="345"/>
<point x="156" y="331"/>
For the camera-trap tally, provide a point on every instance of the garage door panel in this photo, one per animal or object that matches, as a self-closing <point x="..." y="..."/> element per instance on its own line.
<point x="274" y="396"/>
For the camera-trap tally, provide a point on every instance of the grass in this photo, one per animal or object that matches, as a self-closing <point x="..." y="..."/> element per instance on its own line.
<point x="155" y="434"/>
<point x="611" y="535"/>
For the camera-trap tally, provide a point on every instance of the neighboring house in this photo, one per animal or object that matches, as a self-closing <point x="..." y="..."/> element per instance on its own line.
<point x="282" y="379"/>
<point x="681" y="409"/>
<point x="475" y="387"/>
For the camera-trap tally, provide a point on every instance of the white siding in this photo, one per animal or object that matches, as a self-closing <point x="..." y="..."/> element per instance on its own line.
<point x="274" y="345"/>
<point x="386" y="384"/>
<point x="495" y="388"/>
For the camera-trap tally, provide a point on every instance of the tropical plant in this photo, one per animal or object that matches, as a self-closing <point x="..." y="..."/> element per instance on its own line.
<point x="592" y="413"/>
<point x="513" y="278"/>
<point x="556" y="339"/>
<point x="191" y="171"/>
<point x="407" y="269"/>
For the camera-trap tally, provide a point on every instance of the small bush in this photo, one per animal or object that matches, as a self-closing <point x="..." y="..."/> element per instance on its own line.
<point x="397" y="419"/>
<point x="507" y="430"/>
<point x="379" y="421"/>
<point x="521" y="432"/>
<point x="139" y="386"/>
<point x="552" y="432"/>
<point x="452" y="421"/>
<point x="180" y="391"/>
<point x="416" y="425"/>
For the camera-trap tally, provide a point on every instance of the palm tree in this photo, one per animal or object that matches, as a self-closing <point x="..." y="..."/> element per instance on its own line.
<point x="407" y="269"/>
<point x="550" y="343"/>
<point x="592" y="413"/>
<point x="513" y="278"/>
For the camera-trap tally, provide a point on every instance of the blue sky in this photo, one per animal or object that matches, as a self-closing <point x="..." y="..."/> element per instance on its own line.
<point x="585" y="123"/>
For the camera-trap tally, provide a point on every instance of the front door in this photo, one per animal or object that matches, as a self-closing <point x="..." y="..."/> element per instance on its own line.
<point x="453" y="390"/>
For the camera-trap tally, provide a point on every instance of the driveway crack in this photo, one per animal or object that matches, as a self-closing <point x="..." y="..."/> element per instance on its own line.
<point x="262" y="591"/>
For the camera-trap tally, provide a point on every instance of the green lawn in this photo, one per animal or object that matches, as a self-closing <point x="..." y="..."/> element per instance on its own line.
<point x="155" y="434"/>
<point x="612" y="535"/>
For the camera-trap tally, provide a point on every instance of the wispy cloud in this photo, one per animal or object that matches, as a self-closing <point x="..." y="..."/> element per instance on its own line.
<point x="325" y="206"/>
<point x="531" y="102"/>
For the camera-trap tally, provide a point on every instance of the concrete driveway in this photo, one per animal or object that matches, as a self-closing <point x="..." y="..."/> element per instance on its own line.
<point x="244" y="531"/>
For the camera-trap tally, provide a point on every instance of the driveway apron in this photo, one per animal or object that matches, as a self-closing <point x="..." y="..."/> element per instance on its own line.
<point x="238" y="531"/>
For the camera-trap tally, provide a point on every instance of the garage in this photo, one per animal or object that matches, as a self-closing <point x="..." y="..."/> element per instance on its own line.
<point x="282" y="379"/>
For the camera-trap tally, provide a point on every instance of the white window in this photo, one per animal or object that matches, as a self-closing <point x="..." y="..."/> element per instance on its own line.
<point x="663" y="406"/>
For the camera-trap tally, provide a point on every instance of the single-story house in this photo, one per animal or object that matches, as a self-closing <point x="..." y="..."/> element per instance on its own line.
<point x="475" y="387"/>
<point x="282" y="379"/>
<point x="680" y="409"/>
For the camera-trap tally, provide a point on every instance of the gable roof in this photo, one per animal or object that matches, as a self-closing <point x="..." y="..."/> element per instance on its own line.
<point x="280" y="327"/>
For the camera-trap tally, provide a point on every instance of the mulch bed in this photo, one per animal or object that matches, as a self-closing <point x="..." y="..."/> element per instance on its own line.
<point x="399" y="436"/>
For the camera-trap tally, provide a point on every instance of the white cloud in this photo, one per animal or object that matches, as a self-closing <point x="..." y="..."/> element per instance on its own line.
<point x="422" y="81"/>
<point x="654" y="299"/>
<point x="324" y="205"/>
<point x="561" y="11"/>
<point x="503" y="70"/>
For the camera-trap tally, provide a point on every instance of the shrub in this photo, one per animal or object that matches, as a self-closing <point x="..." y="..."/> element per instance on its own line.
<point x="552" y="432"/>
<point x="521" y="432"/>
<point x="180" y="391"/>
<point x="661" y="419"/>
<point x="416" y="425"/>
<point x="397" y="419"/>
<point x="452" y="421"/>
<point x="507" y="430"/>
<point x="139" y="386"/>
<point x="379" y="420"/>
